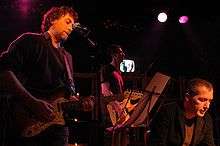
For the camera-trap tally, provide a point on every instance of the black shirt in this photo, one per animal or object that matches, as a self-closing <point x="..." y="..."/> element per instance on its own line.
<point x="36" y="63"/>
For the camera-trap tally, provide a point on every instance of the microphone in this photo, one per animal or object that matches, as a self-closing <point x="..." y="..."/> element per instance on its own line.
<point x="84" y="31"/>
<point x="79" y="26"/>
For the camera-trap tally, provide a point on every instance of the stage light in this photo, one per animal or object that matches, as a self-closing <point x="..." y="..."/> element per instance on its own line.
<point x="162" y="17"/>
<point x="183" y="19"/>
<point x="25" y="7"/>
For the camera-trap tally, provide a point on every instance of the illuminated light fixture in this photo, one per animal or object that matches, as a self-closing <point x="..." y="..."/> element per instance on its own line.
<point x="76" y="120"/>
<point x="162" y="17"/>
<point x="183" y="19"/>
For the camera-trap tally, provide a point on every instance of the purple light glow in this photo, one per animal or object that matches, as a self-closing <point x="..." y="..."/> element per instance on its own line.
<point x="25" y="6"/>
<point x="183" y="19"/>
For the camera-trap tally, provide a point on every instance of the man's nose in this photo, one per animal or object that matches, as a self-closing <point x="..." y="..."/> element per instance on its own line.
<point x="207" y="104"/>
<point x="70" y="28"/>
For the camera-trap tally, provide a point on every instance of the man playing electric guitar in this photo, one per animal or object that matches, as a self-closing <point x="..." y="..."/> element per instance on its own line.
<point x="112" y="84"/>
<point x="39" y="61"/>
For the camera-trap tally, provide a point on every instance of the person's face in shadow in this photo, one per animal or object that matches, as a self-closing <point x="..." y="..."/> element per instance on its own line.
<point x="200" y="103"/>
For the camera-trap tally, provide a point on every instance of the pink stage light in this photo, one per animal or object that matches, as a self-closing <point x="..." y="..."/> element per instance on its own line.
<point x="25" y="7"/>
<point x="183" y="19"/>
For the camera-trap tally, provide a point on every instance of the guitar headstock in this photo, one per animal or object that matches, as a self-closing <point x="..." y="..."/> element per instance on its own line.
<point x="136" y="95"/>
<point x="133" y="94"/>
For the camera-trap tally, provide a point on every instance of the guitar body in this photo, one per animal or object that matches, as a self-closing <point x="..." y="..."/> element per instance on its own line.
<point x="29" y="126"/>
<point x="117" y="114"/>
<point x="119" y="111"/>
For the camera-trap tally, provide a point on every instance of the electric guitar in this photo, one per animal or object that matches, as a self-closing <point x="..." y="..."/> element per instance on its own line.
<point x="29" y="126"/>
<point x="119" y="111"/>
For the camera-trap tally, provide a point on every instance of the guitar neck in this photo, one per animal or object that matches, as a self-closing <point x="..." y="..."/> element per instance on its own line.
<point x="117" y="97"/>
<point x="74" y="105"/>
<point x="69" y="105"/>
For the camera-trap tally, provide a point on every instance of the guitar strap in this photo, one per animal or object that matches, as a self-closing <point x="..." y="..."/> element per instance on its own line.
<point x="67" y="65"/>
<point x="69" y="74"/>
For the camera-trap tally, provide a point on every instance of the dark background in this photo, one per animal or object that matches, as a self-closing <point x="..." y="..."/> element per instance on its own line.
<point x="187" y="51"/>
<point x="180" y="51"/>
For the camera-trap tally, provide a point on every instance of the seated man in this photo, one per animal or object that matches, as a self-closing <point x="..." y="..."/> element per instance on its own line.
<point x="186" y="123"/>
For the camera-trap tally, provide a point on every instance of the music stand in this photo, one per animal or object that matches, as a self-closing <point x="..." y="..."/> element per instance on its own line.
<point x="152" y="92"/>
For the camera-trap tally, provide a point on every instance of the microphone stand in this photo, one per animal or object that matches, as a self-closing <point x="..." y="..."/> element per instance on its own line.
<point x="84" y="32"/>
<point x="150" y="119"/>
<point x="138" y="118"/>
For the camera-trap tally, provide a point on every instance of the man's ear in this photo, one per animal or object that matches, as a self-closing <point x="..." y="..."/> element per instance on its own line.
<point x="53" y="21"/>
<point x="114" y="57"/>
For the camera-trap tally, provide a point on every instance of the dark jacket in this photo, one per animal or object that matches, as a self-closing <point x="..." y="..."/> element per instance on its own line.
<point x="168" y="129"/>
